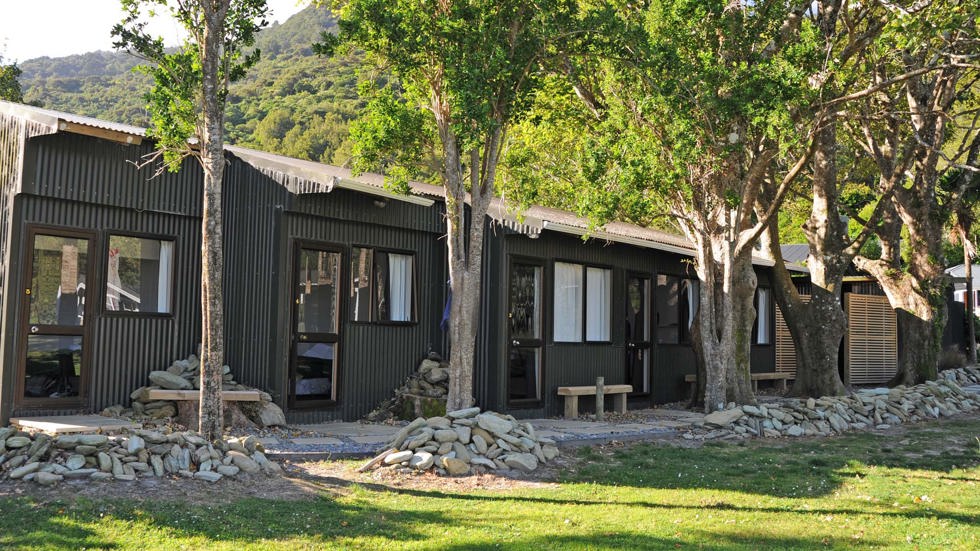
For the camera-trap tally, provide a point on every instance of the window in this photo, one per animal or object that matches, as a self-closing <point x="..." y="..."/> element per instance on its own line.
<point x="573" y="299"/>
<point x="676" y="303"/>
<point x="381" y="286"/>
<point x="139" y="275"/>
<point x="762" y="320"/>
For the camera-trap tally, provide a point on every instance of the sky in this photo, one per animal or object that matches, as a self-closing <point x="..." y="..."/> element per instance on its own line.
<point x="56" y="28"/>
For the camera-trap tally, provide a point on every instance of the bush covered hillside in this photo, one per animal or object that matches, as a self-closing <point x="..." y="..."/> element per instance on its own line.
<point x="292" y="102"/>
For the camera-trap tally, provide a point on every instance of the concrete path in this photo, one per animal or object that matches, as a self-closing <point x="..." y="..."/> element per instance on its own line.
<point x="337" y="440"/>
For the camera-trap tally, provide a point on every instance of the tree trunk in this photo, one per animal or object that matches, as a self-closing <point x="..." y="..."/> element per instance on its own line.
<point x="719" y="322"/>
<point x="465" y="250"/>
<point x="818" y="325"/>
<point x="743" y="309"/>
<point x="697" y="395"/>
<point x="212" y="250"/>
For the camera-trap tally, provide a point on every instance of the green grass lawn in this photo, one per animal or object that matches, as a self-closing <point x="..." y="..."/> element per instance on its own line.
<point x="917" y="489"/>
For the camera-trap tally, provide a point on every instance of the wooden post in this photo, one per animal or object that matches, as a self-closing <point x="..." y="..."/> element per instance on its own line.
<point x="600" y="398"/>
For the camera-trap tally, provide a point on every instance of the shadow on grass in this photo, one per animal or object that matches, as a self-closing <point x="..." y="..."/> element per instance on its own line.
<point x="785" y="468"/>
<point x="325" y="523"/>
<point x="704" y="541"/>
<point x="702" y="505"/>
<point x="25" y="525"/>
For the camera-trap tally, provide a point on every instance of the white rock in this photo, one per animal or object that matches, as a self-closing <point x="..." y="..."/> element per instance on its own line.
<point x="524" y="462"/>
<point x="494" y="424"/>
<point x="421" y="461"/>
<point x="463" y="413"/>
<point x="208" y="476"/>
<point x="723" y="418"/>
<point x="398" y="457"/>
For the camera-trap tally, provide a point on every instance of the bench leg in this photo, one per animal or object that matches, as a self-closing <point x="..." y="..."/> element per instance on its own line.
<point x="782" y="384"/>
<point x="619" y="403"/>
<point x="571" y="407"/>
<point x="755" y="386"/>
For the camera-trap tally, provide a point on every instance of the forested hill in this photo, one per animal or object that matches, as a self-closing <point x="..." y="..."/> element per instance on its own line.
<point x="292" y="102"/>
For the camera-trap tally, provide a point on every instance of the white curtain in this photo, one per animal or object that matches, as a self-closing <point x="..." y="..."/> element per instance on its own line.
<point x="762" y="317"/>
<point x="692" y="287"/>
<point x="568" y="302"/>
<point x="166" y="276"/>
<point x="598" y="285"/>
<point x="400" y="286"/>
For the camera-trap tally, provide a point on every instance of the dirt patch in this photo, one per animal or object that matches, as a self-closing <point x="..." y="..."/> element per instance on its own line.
<point x="166" y="489"/>
<point x="341" y="474"/>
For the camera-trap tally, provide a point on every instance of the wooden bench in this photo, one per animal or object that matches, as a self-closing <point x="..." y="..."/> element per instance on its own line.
<point x="571" y="394"/>
<point x="195" y="395"/>
<point x="756" y="377"/>
<point x="187" y="407"/>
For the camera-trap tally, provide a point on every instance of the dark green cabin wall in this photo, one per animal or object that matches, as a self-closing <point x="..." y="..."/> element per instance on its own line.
<point x="580" y="363"/>
<point x="374" y="359"/>
<point x="78" y="182"/>
<point x="87" y="183"/>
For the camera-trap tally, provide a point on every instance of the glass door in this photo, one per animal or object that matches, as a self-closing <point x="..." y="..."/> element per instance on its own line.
<point x="54" y="337"/>
<point x="316" y="296"/>
<point x="638" y="342"/>
<point x="524" y="332"/>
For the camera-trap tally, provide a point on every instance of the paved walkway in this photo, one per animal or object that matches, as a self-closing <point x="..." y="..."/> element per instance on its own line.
<point x="338" y="439"/>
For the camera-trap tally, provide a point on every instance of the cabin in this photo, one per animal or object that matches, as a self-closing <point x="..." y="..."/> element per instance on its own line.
<point x="335" y="288"/>
<point x="871" y="345"/>
<point x="561" y="311"/>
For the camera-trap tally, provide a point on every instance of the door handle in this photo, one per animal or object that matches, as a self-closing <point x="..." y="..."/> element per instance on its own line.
<point x="515" y="342"/>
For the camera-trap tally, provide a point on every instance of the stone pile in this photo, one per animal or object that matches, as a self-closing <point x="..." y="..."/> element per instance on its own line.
<point x="966" y="376"/>
<point x="185" y="374"/>
<point x="878" y="408"/>
<point x="466" y="441"/>
<point x="48" y="460"/>
<point x="423" y="393"/>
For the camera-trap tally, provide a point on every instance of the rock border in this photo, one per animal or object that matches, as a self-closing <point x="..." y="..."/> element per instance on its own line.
<point x="48" y="460"/>
<point x="864" y="409"/>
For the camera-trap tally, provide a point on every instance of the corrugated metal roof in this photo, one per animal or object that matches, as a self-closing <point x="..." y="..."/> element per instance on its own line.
<point x="796" y="253"/>
<point x="314" y="177"/>
<point x="52" y="118"/>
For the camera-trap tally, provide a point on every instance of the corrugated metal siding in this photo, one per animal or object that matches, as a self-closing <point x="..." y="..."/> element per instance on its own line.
<point x="126" y="348"/>
<point x="487" y="388"/>
<point x="580" y="364"/>
<point x="576" y="363"/>
<point x="101" y="172"/>
<point x="671" y="362"/>
<point x="374" y="359"/>
<point x="11" y="138"/>
<point x="255" y="261"/>
<point x="342" y="204"/>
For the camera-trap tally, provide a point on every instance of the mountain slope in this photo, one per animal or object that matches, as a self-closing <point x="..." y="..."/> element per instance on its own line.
<point x="292" y="102"/>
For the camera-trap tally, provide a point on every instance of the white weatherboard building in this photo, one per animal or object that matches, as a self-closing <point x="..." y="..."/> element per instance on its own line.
<point x="959" y="285"/>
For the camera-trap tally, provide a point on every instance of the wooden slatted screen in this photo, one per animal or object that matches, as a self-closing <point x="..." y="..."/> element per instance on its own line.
<point x="871" y="343"/>
<point x="785" y="352"/>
